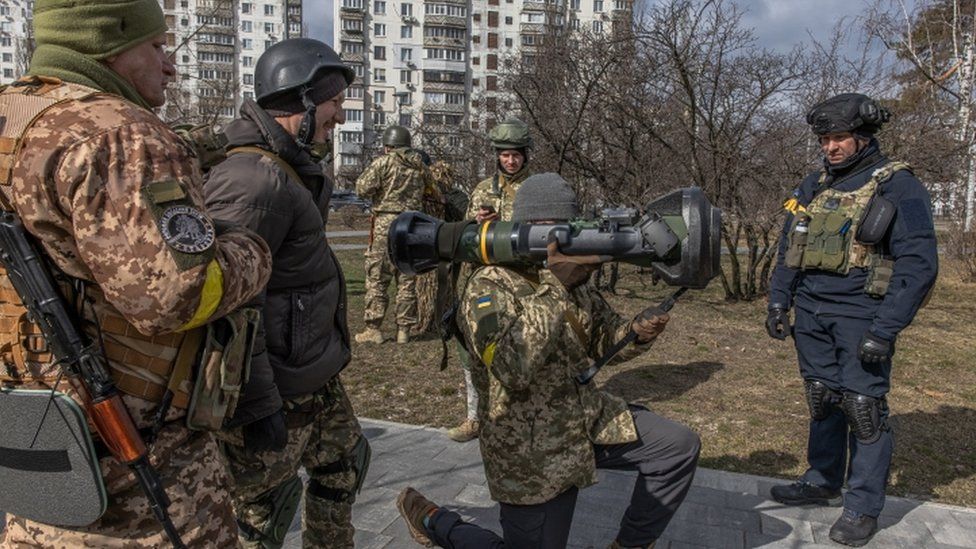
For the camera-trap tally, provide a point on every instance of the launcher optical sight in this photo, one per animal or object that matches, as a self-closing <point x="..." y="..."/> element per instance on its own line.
<point x="677" y="237"/>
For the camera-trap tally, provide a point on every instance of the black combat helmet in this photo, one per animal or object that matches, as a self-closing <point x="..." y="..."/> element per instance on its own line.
<point x="847" y="112"/>
<point x="294" y="75"/>
<point x="396" y="136"/>
<point x="293" y="63"/>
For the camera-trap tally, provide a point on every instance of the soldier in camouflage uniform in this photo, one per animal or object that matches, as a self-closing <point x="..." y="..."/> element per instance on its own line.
<point x="394" y="183"/>
<point x="543" y="435"/>
<point x="115" y="200"/>
<point x="492" y="199"/>
<point x="272" y="183"/>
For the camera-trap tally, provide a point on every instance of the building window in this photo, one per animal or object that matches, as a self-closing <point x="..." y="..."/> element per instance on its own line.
<point x="598" y="26"/>
<point x="379" y="29"/>
<point x="352" y="47"/>
<point x="406" y="76"/>
<point x="491" y="62"/>
<point x="379" y="7"/>
<point x="249" y="95"/>
<point x="246" y="43"/>
<point x="508" y="42"/>
<point x="379" y="75"/>
<point x="379" y="52"/>
<point x="597" y="5"/>
<point x="350" y="137"/>
<point x="353" y="115"/>
<point x="475" y="60"/>
<point x="269" y="43"/>
<point x="574" y="5"/>
<point x="406" y="10"/>
<point x="269" y="28"/>
<point x="492" y="19"/>
<point x="349" y="160"/>
<point x="247" y="26"/>
<point x="269" y="9"/>
<point x="247" y="61"/>
<point x="248" y="79"/>
<point x="354" y="92"/>
<point x="491" y="83"/>
<point x="8" y="73"/>
<point x="443" y="53"/>
<point x="575" y="23"/>
<point x="245" y="7"/>
<point x="508" y="20"/>
<point x="406" y="54"/>
<point x="476" y="17"/>
<point x="492" y="40"/>
<point x="405" y="120"/>
<point x="379" y="118"/>
<point x="406" y="31"/>
<point x="379" y="97"/>
<point x="446" y="9"/>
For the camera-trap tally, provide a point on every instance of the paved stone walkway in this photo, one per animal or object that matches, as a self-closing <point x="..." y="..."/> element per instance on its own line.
<point x="723" y="510"/>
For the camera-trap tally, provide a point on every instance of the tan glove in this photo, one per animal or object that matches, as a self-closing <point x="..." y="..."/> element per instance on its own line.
<point x="649" y="324"/>
<point x="571" y="270"/>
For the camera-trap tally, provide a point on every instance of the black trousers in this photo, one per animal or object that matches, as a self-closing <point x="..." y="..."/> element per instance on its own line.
<point x="665" y="456"/>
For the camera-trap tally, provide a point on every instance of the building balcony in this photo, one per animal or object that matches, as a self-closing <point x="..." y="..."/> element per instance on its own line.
<point x="454" y="2"/>
<point x="352" y="36"/>
<point x="353" y="57"/>
<point x="443" y="108"/>
<point x="540" y="6"/>
<point x="215" y="48"/>
<point x="444" y="41"/>
<point x="446" y="21"/>
<point x="444" y="86"/>
<point x="350" y="148"/>
<point x="532" y="28"/>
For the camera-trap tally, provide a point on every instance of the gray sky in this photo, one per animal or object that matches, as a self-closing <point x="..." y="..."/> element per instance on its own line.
<point x="778" y="24"/>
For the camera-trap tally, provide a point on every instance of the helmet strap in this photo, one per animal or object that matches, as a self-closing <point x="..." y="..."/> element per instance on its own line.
<point x="306" y="131"/>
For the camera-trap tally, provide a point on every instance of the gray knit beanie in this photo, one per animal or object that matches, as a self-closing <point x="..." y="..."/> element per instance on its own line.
<point x="544" y="197"/>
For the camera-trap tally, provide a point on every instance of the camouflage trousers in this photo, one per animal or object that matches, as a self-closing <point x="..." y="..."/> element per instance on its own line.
<point x="194" y="475"/>
<point x="380" y="271"/>
<point x="329" y="439"/>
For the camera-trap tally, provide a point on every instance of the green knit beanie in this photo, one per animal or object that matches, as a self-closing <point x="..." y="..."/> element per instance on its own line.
<point x="97" y="28"/>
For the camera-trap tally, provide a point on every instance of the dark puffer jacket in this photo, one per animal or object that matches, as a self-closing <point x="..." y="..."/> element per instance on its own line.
<point x="305" y="335"/>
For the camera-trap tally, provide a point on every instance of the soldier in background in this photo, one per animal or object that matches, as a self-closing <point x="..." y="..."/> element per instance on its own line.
<point x="272" y="183"/>
<point x="114" y="198"/>
<point x="492" y="199"/>
<point x="543" y="436"/>
<point x="394" y="183"/>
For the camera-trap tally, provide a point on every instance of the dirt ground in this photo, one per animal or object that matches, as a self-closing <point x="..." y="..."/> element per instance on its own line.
<point x="716" y="370"/>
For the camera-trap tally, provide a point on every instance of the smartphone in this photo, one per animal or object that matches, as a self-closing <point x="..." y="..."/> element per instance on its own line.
<point x="488" y="207"/>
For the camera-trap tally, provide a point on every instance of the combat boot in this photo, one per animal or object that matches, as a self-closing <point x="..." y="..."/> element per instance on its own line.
<point x="370" y="335"/>
<point x="403" y="335"/>
<point x="414" y="508"/>
<point x="853" y="528"/>
<point x="616" y="545"/>
<point x="804" y="493"/>
<point x="465" y="431"/>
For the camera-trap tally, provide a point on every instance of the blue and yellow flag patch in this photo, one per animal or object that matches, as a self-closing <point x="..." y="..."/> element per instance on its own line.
<point x="484" y="301"/>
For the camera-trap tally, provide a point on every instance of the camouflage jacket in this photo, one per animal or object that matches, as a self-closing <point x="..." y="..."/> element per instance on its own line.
<point x="115" y="198"/>
<point x="484" y="194"/>
<point x="538" y="426"/>
<point x="395" y="182"/>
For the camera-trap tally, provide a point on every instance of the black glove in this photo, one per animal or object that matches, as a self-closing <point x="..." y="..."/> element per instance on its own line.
<point x="778" y="323"/>
<point x="267" y="433"/>
<point x="873" y="349"/>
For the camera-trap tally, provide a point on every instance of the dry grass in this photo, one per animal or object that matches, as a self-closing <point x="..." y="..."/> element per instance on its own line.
<point x="715" y="370"/>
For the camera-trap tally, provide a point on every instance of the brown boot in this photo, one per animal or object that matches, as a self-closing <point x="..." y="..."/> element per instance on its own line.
<point x="414" y="508"/>
<point x="370" y="335"/>
<point x="467" y="430"/>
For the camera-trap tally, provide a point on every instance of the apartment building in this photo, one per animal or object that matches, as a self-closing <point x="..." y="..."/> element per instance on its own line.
<point x="433" y="65"/>
<point x="15" y="47"/>
<point x="216" y="44"/>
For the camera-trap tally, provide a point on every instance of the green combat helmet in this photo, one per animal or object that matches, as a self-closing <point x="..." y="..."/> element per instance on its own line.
<point x="510" y="134"/>
<point x="396" y="136"/>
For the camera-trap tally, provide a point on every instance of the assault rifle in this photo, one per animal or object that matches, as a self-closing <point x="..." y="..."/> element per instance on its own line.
<point x="82" y="361"/>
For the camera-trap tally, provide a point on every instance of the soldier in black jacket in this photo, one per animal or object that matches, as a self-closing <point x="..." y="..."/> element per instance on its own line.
<point x="856" y="261"/>
<point x="273" y="184"/>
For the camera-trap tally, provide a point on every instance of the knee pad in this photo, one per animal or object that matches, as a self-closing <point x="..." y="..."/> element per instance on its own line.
<point x="284" y="505"/>
<point x="820" y="398"/>
<point x="866" y="416"/>
<point x="357" y="461"/>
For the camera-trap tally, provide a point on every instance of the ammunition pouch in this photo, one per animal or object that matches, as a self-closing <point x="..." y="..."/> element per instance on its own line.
<point x="798" y="235"/>
<point x="828" y="242"/>
<point x="223" y="369"/>
<point x="875" y="221"/>
<point x="48" y="463"/>
<point x="284" y="505"/>
<point x="866" y="416"/>
<point x="879" y="276"/>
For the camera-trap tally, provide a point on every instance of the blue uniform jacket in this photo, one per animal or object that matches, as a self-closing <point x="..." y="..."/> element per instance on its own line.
<point x="910" y="242"/>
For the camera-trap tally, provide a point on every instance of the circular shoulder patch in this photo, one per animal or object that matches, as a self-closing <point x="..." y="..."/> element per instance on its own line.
<point x="186" y="230"/>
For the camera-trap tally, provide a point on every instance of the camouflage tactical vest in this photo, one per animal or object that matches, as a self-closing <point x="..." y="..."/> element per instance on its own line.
<point x="821" y="236"/>
<point x="141" y="366"/>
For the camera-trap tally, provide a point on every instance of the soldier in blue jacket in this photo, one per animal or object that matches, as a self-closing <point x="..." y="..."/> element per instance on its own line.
<point x="857" y="259"/>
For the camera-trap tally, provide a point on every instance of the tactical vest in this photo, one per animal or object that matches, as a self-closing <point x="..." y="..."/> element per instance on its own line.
<point x="821" y="236"/>
<point x="142" y="366"/>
